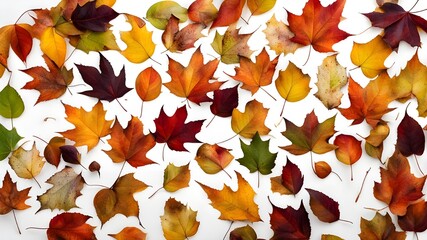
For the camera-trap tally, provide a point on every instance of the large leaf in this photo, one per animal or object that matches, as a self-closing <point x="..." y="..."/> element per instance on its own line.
<point x="69" y="226"/>
<point x="93" y="18"/>
<point x="179" y="221"/>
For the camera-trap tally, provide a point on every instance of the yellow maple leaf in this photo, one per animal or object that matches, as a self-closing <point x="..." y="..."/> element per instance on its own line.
<point x="140" y="46"/>
<point x="247" y="123"/>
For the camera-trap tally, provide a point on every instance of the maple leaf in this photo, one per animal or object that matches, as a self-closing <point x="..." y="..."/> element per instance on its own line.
<point x="410" y="137"/>
<point x="90" y="17"/>
<point x="247" y="123"/>
<point x="140" y="45"/>
<point x="213" y="158"/>
<point x="379" y="227"/>
<point x="415" y="219"/>
<point x="311" y="136"/>
<point x="192" y="82"/>
<point x="349" y="150"/>
<point x="229" y="12"/>
<point x="225" y="101"/>
<point x="51" y="84"/>
<point x="89" y="126"/>
<point x="369" y="103"/>
<point x="129" y="233"/>
<point x="11" y="103"/>
<point x="290" y="223"/>
<point x="398" y="187"/>
<point x="118" y="198"/>
<point x="70" y="226"/>
<point x="52" y="153"/>
<point x="256" y="75"/>
<point x="292" y="84"/>
<point x="398" y="24"/>
<point x="331" y="77"/>
<point x="130" y="144"/>
<point x="243" y="233"/>
<point x="290" y="182"/>
<point x="370" y="56"/>
<point x="176" y="40"/>
<point x="159" y="13"/>
<point x="176" y="178"/>
<point x="202" y="11"/>
<point x="174" y="131"/>
<point x="279" y="37"/>
<point x="26" y="163"/>
<point x="179" y="221"/>
<point x="234" y="206"/>
<point x="318" y="25"/>
<point x="232" y="46"/>
<point x="411" y="82"/>
<point x="324" y="207"/>
<point x="67" y="185"/>
<point x="105" y="85"/>
<point x="8" y="141"/>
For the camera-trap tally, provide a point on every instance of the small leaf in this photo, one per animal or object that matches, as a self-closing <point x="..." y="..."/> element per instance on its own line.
<point x="322" y="169"/>
<point x="52" y="153"/>
<point x="54" y="46"/>
<point x="225" y="101"/>
<point x="279" y="37"/>
<point x="148" y="84"/>
<point x="202" y="11"/>
<point x="11" y="104"/>
<point x="349" y="149"/>
<point x="95" y="167"/>
<point x="410" y="137"/>
<point x="290" y="182"/>
<point x="70" y="226"/>
<point x="70" y="154"/>
<point x="179" y="221"/>
<point x="129" y="233"/>
<point x="176" y="178"/>
<point x="159" y="13"/>
<point x="21" y="42"/>
<point x="176" y="40"/>
<point x="324" y="207"/>
<point x="213" y="158"/>
<point x="258" y="7"/>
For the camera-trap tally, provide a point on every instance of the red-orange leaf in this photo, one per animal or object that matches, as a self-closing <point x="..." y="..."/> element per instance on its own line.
<point x="10" y="197"/>
<point x="21" y="42"/>
<point x="202" y="11"/>
<point x="229" y="12"/>
<point x="70" y="226"/>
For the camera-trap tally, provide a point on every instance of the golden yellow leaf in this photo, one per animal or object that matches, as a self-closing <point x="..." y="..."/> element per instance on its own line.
<point x="26" y="164"/>
<point x="247" y="123"/>
<point x="179" y="221"/>
<point x="176" y="178"/>
<point x="292" y="84"/>
<point x="140" y="46"/>
<point x="53" y="45"/>
<point x="109" y="3"/>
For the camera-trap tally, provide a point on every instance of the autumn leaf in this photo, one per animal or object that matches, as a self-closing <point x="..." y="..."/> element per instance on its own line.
<point x="330" y="237"/>
<point x="415" y="219"/>
<point x="69" y="226"/>
<point x="52" y="153"/>
<point x="159" y="13"/>
<point x="331" y="77"/>
<point x="290" y="223"/>
<point x="398" y="24"/>
<point x="410" y="137"/>
<point x="148" y="84"/>
<point x="318" y="25"/>
<point x="225" y="101"/>
<point x="213" y="158"/>
<point x="279" y="37"/>
<point x="398" y="188"/>
<point x="95" y="41"/>
<point x="193" y="82"/>
<point x="93" y="18"/>
<point x="369" y="103"/>
<point x="8" y="141"/>
<point x="129" y="233"/>
<point x="370" y="56"/>
<point x="322" y="169"/>
<point x="411" y="82"/>
<point x="257" y="156"/>
<point x="176" y="40"/>
<point x="292" y="84"/>
<point x="290" y="181"/>
<point x="26" y="163"/>
<point x="140" y="45"/>
<point x="243" y="233"/>
<point x="130" y="144"/>
<point x="247" y="123"/>
<point x="94" y="166"/>
<point x="232" y="46"/>
<point x="234" y="206"/>
<point x="374" y="142"/>
<point x="202" y="11"/>
<point x="174" y="131"/>
<point x="324" y="207"/>
<point x="51" y="84"/>
<point x="70" y="154"/>
<point x="176" y="178"/>
<point x="54" y="46"/>
<point x="311" y="136"/>
<point x="381" y="2"/>
<point x="258" y="7"/>
<point x="11" y="103"/>
<point x="256" y="75"/>
<point x="178" y="221"/>
<point x="17" y="38"/>
<point x="349" y="150"/>
<point x="379" y="227"/>
<point x="229" y="12"/>
<point x="89" y="126"/>
<point x="118" y="199"/>
<point x="67" y="185"/>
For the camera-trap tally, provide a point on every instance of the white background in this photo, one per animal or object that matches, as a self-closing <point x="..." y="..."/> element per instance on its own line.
<point x="32" y="122"/>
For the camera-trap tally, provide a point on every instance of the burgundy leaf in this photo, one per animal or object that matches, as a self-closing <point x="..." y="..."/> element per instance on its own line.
<point x="410" y="137"/>
<point x="415" y="219"/>
<point x="290" y="223"/>
<point x="90" y="17"/>
<point x="224" y="101"/>
<point x="292" y="178"/>
<point x="70" y="154"/>
<point x="324" y="207"/>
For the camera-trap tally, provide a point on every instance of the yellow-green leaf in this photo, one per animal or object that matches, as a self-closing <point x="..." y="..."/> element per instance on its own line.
<point x="176" y="178"/>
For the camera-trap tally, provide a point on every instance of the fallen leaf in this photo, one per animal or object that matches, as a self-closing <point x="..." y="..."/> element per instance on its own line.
<point x="379" y="227"/>
<point x="11" y="103"/>
<point x="21" y="42"/>
<point x="70" y="154"/>
<point x="176" y="178"/>
<point x="176" y="40"/>
<point x="247" y="123"/>
<point x="213" y="158"/>
<point x="292" y="84"/>
<point x="322" y="169"/>
<point x="94" y="167"/>
<point x="159" y="13"/>
<point x="178" y="221"/>
<point x="8" y="141"/>
<point x="349" y="150"/>
<point x="290" y="181"/>
<point x="290" y="223"/>
<point x="324" y="207"/>
<point x="258" y="7"/>
<point x="381" y="2"/>
<point x="330" y="237"/>
<point x="174" y="131"/>
<point x="148" y="84"/>
<point x="229" y="12"/>
<point x="202" y="11"/>
<point x="129" y="233"/>
<point x="54" y="46"/>
<point x="69" y="226"/>
<point x="118" y="199"/>
<point x="398" y="188"/>
<point x="193" y="82"/>
<point x="415" y="219"/>
<point x="279" y="37"/>
<point x="234" y="206"/>
<point x="89" y="126"/>
<point x="374" y="142"/>
<point x="410" y="137"/>
<point x="243" y="233"/>
<point x="95" y="41"/>
<point x="140" y="45"/>
<point x="93" y="18"/>
<point x="67" y="185"/>
<point x="26" y="163"/>
<point x="225" y="101"/>
<point x="331" y="77"/>
<point x="52" y="153"/>
<point x="130" y="144"/>
<point x="11" y="198"/>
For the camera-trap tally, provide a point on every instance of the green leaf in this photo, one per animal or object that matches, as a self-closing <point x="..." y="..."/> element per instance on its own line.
<point x="97" y="41"/>
<point x="8" y="141"/>
<point x="257" y="156"/>
<point x="159" y="13"/>
<point x="11" y="104"/>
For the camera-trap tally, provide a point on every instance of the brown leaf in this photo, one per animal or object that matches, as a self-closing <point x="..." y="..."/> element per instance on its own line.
<point x="176" y="40"/>
<point x="379" y="227"/>
<point x="279" y="37"/>
<point x="10" y="197"/>
<point x="324" y="207"/>
<point x="179" y="221"/>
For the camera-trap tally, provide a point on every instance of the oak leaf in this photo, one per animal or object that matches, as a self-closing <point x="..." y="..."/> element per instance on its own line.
<point x="159" y="13"/>
<point x="229" y="12"/>
<point x="318" y="25"/>
<point x="398" y="188"/>
<point x="178" y="221"/>
<point x="8" y="141"/>
<point x="10" y="198"/>
<point x="89" y="126"/>
<point x="290" y="223"/>
<point x="129" y="233"/>
<point x="415" y="219"/>
<point x="324" y="207"/>
<point x="379" y="227"/>
<point x="213" y="158"/>
<point x="193" y="82"/>
<point x="290" y="181"/>
<point x="292" y="84"/>
<point x="176" y="178"/>
<point x="234" y="206"/>
<point x="93" y="18"/>
<point x="225" y="101"/>
<point x="279" y="37"/>
<point x="67" y="185"/>
<point x="247" y="123"/>
<point x="202" y="11"/>
<point x="70" y="226"/>
<point x="176" y="40"/>
<point x="26" y="163"/>
<point x="140" y="45"/>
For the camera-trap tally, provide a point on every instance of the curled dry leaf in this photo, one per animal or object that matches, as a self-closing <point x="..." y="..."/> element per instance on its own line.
<point x="251" y="121"/>
<point x="324" y="207"/>
<point x="322" y="169"/>
<point x="52" y="153"/>
<point x="129" y="233"/>
<point x="176" y="40"/>
<point x="95" y="167"/>
<point x="213" y="158"/>
<point x="179" y="221"/>
<point x="290" y="182"/>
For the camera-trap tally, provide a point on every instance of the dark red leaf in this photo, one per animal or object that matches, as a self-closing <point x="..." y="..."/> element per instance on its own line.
<point x="290" y="223"/>
<point x="90" y="17"/>
<point x="410" y="137"/>
<point x="21" y="42"/>
<point x="105" y="85"/>
<point x="70" y="154"/>
<point x="292" y="178"/>
<point x="324" y="207"/>
<point x="174" y="131"/>
<point x="224" y="101"/>
<point x="415" y="219"/>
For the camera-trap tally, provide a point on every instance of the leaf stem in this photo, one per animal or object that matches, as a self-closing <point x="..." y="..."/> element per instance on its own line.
<point x="210" y="121"/>
<point x="268" y="93"/>
<point x="312" y="163"/>
<point x="361" y="187"/>
<point x="226" y="173"/>
<point x="228" y="230"/>
<point x="142" y="108"/>
<point x="228" y="139"/>
<point x="155" y="193"/>
<point x="308" y="57"/>
<point x="77" y="85"/>
<point x="121" y="105"/>
<point x="351" y="172"/>
<point x="281" y="113"/>
<point x="347" y="221"/>
<point x="247" y="23"/>
<point x="163" y="152"/>
<point x="258" y="178"/>
<point x="414" y="5"/>
<point x="19" y="18"/>
<point x="96" y="185"/>
<point x="120" y="173"/>
<point x="16" y="221"/>
<point x="36" y="181"/>
<point x="69" y="56"/>
<point x="337" y="175"/>
<point x="418" y="164"/>
<point x="41" y="139"/>
<point x="376" y="210"/>
<point x="155" y="61"/>
<point x="36" y="228"/>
